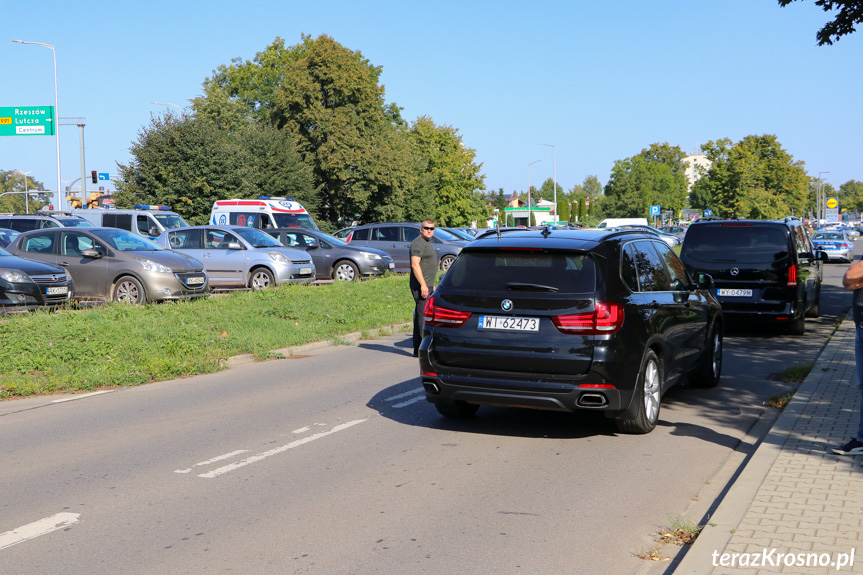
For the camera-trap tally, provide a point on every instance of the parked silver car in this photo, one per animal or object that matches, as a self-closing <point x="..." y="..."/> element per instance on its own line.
<point x="115" y="265"/>
<point x="239" y="257"/>
<point x="335" y="259"/>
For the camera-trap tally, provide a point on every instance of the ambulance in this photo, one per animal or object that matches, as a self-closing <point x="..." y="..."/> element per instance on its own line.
<point x="264" y="213"/>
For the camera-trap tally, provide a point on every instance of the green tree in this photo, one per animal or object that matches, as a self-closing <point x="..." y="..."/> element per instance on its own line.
<point x="850" y="14"/>
<point x="247" y="89"/>
<point x="852" y="194"/>
<point x="449" y="165"/>
<point x="656" y="176"/>
<point x="754" y="178"/>
<point x="12" y="183"/>
<point x="330" y="99"/>
<point x="189" y="162"/>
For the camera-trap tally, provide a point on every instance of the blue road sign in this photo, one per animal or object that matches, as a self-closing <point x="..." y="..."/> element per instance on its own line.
<point x="104" y="177"/>
<point x="654" y="210"/>
<point x="708" y="213"/>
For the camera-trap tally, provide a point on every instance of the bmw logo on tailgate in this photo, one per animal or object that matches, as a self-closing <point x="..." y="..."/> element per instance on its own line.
<point x="506" y="305"/>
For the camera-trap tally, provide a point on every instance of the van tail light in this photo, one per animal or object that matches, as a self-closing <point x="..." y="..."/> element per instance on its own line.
<point x="792" y="276"/>
<point x="606" y="318"/>
<point x="436" y="315"/>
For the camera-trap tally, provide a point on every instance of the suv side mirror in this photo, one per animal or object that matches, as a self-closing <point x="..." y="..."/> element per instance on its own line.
<point x="92" y="254"/>
<point x="312" y="244"/>
<point x="234" y="246"/>
<point x="704" y="281"/>
<point x="821" y="256"/>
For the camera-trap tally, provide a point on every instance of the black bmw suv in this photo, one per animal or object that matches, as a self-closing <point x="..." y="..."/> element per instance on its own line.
<point x="569" y="321"/>
<point x="765" y="271"/>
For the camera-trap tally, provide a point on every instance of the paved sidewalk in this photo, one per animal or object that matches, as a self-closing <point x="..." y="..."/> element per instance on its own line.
<point x="795" y="496"/>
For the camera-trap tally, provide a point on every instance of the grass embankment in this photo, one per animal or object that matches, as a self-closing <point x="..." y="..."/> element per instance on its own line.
<point x="116" y="345"/>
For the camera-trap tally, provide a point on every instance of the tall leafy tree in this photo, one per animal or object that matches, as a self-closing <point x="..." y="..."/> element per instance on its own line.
<point x="189" y="162"/>
<point x="656" y="176"/>
<point x="455" y="177"/>
<point x="852" y="194"/>
<point x="330" y="99"/>
<point x="754" y="178"/>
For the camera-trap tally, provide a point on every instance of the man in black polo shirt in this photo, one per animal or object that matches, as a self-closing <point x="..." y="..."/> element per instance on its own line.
<point x="423" y="271"/>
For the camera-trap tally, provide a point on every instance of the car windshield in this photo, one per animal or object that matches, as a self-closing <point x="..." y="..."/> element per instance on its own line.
<point x="331" y="239"/>
<point x="460" y="234"/>
<point x="443" y="234"/>
<point x="827" y="236"/>
<point x="736" y="243"/>
<point x="125" y="241"/>
<point x="295" y="221"/>
<point x="563" y="272"/>
<point x="170" y="221"/>
<point x="257" y="238"/>
<point x="75" y="222"/>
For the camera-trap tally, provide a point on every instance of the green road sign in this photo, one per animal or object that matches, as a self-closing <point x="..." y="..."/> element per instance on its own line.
<point x="27" y="121"/>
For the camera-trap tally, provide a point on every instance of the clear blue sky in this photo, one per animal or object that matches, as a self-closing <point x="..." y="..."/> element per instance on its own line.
<point x="598" y="80"/>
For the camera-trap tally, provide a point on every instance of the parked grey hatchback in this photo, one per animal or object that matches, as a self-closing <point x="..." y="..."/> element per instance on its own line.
<point x="115" y="265"/>
<point x="335" y="259"/>
<point x="239" y="257"/>
<point x="395" y="239"/>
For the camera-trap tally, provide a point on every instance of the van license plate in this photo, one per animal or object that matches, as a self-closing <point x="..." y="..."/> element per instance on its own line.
<point x="736" y="292"/>
<point x="509" y="323"/>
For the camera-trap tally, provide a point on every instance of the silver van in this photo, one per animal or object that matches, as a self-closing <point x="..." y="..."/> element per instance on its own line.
<point x="144" y="220"/>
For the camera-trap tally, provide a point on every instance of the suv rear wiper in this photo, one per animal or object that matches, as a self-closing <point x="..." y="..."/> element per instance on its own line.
<point x="529" y="287"/>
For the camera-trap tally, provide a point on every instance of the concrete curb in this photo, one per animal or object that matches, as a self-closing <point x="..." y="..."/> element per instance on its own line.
<point x="720" y="527"/>
<point x="354" y="337"/>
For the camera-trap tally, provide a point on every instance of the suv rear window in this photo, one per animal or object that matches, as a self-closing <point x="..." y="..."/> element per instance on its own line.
<point x="736" y="243"/>
<point x="563" y="272"/>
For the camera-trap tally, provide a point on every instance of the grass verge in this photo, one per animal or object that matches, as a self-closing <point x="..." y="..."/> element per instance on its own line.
<point x="118" y="345"/>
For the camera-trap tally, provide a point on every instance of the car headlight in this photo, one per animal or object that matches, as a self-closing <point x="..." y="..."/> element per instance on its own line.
<point x="279" y="257"/>
<point x="151" y="266"/>
<point x="370" y="256"/>
<point x="15" y="276"/>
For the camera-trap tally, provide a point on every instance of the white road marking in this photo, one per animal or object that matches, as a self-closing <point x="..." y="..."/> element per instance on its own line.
<point x="406" y="394"/>
<point x="409" y="402"/>
<point x="82" y="396"/>
<point x="213" y="460"/>
<point x="37" y="528"/>
<point x="301" y="430"/>
<point x="277" y="450"/>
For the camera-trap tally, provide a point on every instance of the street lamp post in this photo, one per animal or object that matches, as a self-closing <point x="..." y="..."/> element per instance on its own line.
<point x="56" y="118"/>
<point x="554" y="174"/>
<point x="821" y="198"/>
<point x="26" y="191"/>
<point x="528" y="191"/>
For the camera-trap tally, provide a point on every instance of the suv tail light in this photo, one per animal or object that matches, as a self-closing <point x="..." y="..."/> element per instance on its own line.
<point x="792" y="276"/>
<point x="606" y="318"/>
<point x="436" y="315"/>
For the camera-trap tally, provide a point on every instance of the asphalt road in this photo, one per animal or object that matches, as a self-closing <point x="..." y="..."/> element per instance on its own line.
<point x="333" y="463"/>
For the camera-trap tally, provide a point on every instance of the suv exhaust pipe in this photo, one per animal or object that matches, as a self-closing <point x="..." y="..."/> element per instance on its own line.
<point x="592" y="400"/>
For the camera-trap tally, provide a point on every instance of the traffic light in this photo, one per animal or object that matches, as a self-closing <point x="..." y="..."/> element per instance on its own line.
<point x="94" y="177"/>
